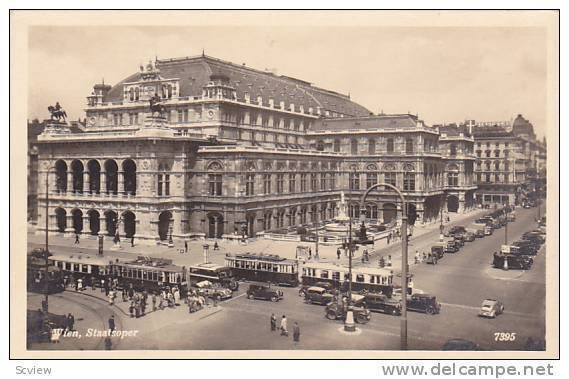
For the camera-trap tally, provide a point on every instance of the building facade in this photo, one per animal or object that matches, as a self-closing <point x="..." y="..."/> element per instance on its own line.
<point x="234" y="151"/>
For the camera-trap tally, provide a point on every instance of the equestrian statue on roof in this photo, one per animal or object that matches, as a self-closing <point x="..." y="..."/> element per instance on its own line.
<point x="57" y="112"/>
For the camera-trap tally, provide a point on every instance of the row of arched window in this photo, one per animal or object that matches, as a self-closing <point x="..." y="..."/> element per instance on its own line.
<point x="94" y="178"/>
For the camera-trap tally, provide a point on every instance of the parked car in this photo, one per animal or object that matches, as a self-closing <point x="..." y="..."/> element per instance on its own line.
<point x="318" y="295"/>
<point x="523" y="248"/>
<point x="469" y="236"/>
<point x="264" y="292"/>
<point x="326" y="285"/>
<point x="423" y="303"/>
<point x="380" y="303"/>
<point x="459" y="344"/>
<point x="451" y="247"/>
<point x="438" y="251"/>
<point x="515" y="262"/>
<point x="207" y="289"/>
<point x="491" y="308"/>
<point x="432" y="259"/>
<point x="459" y="239"/>
<point x="336" y="311"/>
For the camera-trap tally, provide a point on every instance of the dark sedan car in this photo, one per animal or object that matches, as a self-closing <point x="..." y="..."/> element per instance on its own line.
<point x="423" y="303"/>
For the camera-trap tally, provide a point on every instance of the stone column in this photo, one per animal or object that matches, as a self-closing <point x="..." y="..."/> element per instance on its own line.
<point x="86" y="181"/>
<point x="102" y="225"/>
<point x="69" y="230"/>
<point x="103" y="182"/>
<point x="86" y="224"/>
<point x="69" y="181"/>
<point x="120" y="183"/>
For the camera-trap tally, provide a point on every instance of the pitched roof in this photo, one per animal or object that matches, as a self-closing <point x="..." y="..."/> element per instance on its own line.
<point x="195" y="72"/>
<point x="361" y="123"/>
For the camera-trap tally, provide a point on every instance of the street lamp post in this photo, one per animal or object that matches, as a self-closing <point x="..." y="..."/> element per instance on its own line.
<point x="46" y="299"/>
<point x="404" y="253"/>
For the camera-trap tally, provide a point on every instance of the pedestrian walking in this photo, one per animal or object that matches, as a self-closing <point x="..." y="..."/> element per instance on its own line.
<point x="284" y="330"/>
<point x="76" y="238"/>
<point x="215" y="246"/>
<point x="112" y="323"/>
<point x="338" y="253"/>
<point x="70" y="322"/>
<point x="273" y="322"/>
<point x="132" y="241"/>
<point x="389" y="261"/>
<point x="111" y="297"/>
<point x="131" y="308"/>
<point x="176" y="297"/>
<point x="186" y="246"/>
<point x="108" y="343"/>
<point x="153" y="302"/>
<point x="296" y="332"/>
<point x="388" y="238"/>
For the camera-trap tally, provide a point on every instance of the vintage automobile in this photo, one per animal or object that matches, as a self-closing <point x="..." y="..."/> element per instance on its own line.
<point x="378" y="302"/>
<point x="423" y="303"/>
<point x="206" y="288"/>
<point x="459" y="344"/>
<point x="455" y="230"/>
<point x="469" y="236"/>
<point x="523" y="248"/>
<point x="336" y="311"/>
<point x="451" y="247"/>
<point x="438" y="251"/>
<point x="459" y="239"/>
<point x="534" y="237"/>
<point x="515" y="262"/>
<point x="318" y="295"/>
<point x="491" y="308"/>
<point x="264" y="292"/>
<point x="432" y="259"/>
<point x="326" y="285"/>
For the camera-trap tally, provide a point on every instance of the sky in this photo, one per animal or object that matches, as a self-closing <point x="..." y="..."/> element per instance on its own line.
<point x="443" y="74"/>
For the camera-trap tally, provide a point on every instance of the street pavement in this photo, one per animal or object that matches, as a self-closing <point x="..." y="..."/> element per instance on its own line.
<point x="460" y="281"/>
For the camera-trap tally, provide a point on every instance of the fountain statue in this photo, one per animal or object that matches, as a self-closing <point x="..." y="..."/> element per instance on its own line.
<point x="342" y="220"/>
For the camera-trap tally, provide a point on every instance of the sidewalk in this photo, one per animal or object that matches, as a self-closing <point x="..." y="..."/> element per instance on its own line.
<point x="286" y="249"/>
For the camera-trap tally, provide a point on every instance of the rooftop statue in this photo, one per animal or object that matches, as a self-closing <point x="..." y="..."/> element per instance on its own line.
<point x="57" y="112"/>
<point x="156" y="105"/>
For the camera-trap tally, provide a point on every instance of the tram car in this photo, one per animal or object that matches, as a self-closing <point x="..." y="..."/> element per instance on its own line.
<point x="150" y="274"/>
<point x="213" y="273"/>
<point x="371" y="279"/>
<point x="89" y="268"/>
<point x="38" y="271"/>
<point x="267" y="268"/>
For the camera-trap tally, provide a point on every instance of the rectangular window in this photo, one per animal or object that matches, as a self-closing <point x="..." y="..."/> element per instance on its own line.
<point x="371" y="179"/>
<point x="167" y="185"/>
<point x="324" y="274"/>
<point x="391" y="178"/>
<point x="159" y="189"/>
<point x="180" y="116"/>
<point x="332" y="181"/>
<point x="292" y="183"/>
<point x="267" y="184"/>
<point x="313" y="182"/>
<point x="214" y="184"/>
<point x="453" y="179"/>
<point x="354" y="181"/>
<point x="280" y="183"/>
<point x="250" y="185"/>
<point x="303" y="183"/>
<point x="322" y="182"/>
<point x="409" y="182"/>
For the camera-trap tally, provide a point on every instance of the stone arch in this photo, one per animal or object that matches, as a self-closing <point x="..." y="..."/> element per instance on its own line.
<point x="164" y="221"/>
<point x="452" y="167"/>
<point x="112" y="176"/>
<point x="452" y="203"/>
<point x="77" y="174"/>
<point x="215" y="225"/>
<point x="215" y="166"/>
<point x="77" y="218"/>
<point x="129" y="224"/>
<point x="94" y="169"/>
<point x="389" y="212"/>
<point x="371" y="167"/>
<point x="94" y="221"/>
<point x="61" y="219"/>
<point x="129" y="172"/>
<point x="111" y="218"/>
<point x="408" y="167"/>
<point x="389" y="167"/>
<point x="60" y="175"/>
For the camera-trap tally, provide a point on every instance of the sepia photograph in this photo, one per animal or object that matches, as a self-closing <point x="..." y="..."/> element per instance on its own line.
<point x="303" y="184"/>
